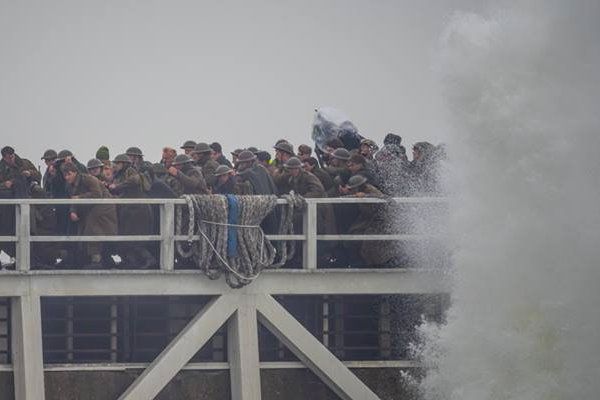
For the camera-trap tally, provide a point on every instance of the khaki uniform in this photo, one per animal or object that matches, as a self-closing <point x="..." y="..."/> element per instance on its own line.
<point x="94" y="219"/>
<point x="208" y="166"/>
<point x="192" y="180"/>
<point x="309" y="186"/>
<point x="134" y="219"/>
<point x="370" y="220"/>
<point x="19" y="189"/>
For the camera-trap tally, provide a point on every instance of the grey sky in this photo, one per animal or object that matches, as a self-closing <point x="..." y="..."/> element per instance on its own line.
<point x="79" y="74"/>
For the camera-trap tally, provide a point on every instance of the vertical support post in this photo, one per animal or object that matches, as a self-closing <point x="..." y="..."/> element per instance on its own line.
<point x="113" y="330"/>
<point x="325" y="320"/>
<point x="242" y="347"/>
<point x="310" y="232"/>
<point x="22" y="212"/>
<point x="28" y="363"/>
<point x="167" y="233"/>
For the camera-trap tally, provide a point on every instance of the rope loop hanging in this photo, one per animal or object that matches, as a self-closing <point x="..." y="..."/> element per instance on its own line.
<point x="225" y="236"/>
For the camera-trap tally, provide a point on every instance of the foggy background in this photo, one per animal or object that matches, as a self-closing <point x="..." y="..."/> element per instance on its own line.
<point x="80" y="74"/>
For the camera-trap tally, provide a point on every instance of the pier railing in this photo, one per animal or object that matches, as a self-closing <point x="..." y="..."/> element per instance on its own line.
<point x="167" y="236"/>
<point x="242" y="311"/>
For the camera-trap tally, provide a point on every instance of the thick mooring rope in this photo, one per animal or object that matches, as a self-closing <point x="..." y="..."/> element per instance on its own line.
<point x="207" y="218"/>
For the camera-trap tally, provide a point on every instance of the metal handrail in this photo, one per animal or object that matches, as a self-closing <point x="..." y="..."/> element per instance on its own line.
<point x="167" y="235"/>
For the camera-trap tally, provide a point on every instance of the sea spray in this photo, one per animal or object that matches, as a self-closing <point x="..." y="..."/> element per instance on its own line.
<point x="522" y="88"/>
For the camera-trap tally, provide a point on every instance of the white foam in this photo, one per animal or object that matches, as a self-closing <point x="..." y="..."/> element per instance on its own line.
<point x="523" y="91"/>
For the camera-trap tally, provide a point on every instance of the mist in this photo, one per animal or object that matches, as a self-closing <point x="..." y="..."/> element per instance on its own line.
<point x="78" y="75"/>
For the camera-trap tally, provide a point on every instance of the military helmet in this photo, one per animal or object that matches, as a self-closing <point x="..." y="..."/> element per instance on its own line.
<point x="286" y="147"/>
<point x="202" y="148"/>
<point x="341" y="154"/>
<point x="236" y="152"/>
<point x="222" y="170"/>
<point x="370" y="143"/>
<point x="188" y="144"/>
<point x="134" y="151"/>
<point x="293" y="163"/>
<point x="64" y="154"/>
<point x="122" y="158"/>
<point x="246" y="156"/>
<point x="182" y="159"/>
<point x="253" y="149"/>
<point x="355" y="181"/>
<point x="94" y="163"/>
<point x="50" y="155"/>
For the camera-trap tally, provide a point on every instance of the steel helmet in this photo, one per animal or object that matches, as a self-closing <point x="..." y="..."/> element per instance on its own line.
<point x="94" y="163"/>
<point x="222" y="170"/>
<point x="122" y="158"/>
<point x="286" y="147"/>
<point x="293" y="163"/>
<point x="188" y="144"/>
<point x="355" y="181"/>
<point x="64" y="154"/>
<point x="49" y="155"/>
<point x="202" y="148"/>
<point x="182" y="159"/>
<point x="134" y="151"/>
<point x="246" y="156"/>
<point x="341" y="154"/>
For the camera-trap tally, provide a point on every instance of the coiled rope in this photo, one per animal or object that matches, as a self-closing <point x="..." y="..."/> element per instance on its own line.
<point x="208" y="232"/>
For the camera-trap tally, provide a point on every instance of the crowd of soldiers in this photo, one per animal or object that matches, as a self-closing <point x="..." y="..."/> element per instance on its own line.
<point x="201" y="168"/>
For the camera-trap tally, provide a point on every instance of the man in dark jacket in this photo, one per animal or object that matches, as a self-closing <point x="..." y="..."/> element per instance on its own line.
<point x="312" y="165"/>
<point x="357" y="164"/>
<point x="259" y="182"/>
<point x="16" y="176"/>
<point x="229" y="183"/>
<point x="189" y="176"/>
<point x="202" y="158"/>
<point x="49" y="157"/>
<point x="218" y="156"/>
<point x="134" y="219"/>
<point x="91" y="219"/>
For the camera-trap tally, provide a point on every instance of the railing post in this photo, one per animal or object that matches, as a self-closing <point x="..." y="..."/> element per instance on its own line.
<point x="167" y="233"/>
<point x="310" y="233"/>
<point x="22" y="213"/>
<point x="26" y="336"/>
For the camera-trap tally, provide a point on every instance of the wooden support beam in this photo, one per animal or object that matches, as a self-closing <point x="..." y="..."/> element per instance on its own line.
<point x="310" y="351"/>
<point x="242" y="346"/>
<point x="26" y="336"/>
<point x="310" y="231"/>
<point x="179" y="352"/>
<point x="22" y="212"/>
<point x="167" y="232"/>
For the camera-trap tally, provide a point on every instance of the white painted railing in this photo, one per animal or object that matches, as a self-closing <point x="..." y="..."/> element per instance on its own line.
<point x="167" y="236"/>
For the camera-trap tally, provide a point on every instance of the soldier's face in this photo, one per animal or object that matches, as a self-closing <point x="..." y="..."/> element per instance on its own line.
<point x="118" y="166"/>
<point x="353" y="167"/>
<point x="196" y="156"/>
<point x="308" y="167"/>
<point x="70" y="177"/>
<point x="294" y="171"/>
<point x="48" y="162"/>
<point x="365" y="150"/>
<point x="9" y="159"/>
<point x="188" y="151"/>
<point x="223" y="178"/>
<point x="94" y="171"/>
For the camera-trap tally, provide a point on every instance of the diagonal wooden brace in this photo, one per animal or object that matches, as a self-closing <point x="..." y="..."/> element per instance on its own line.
<point x="310" y="351"/>
<point x="183" y="347"/>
